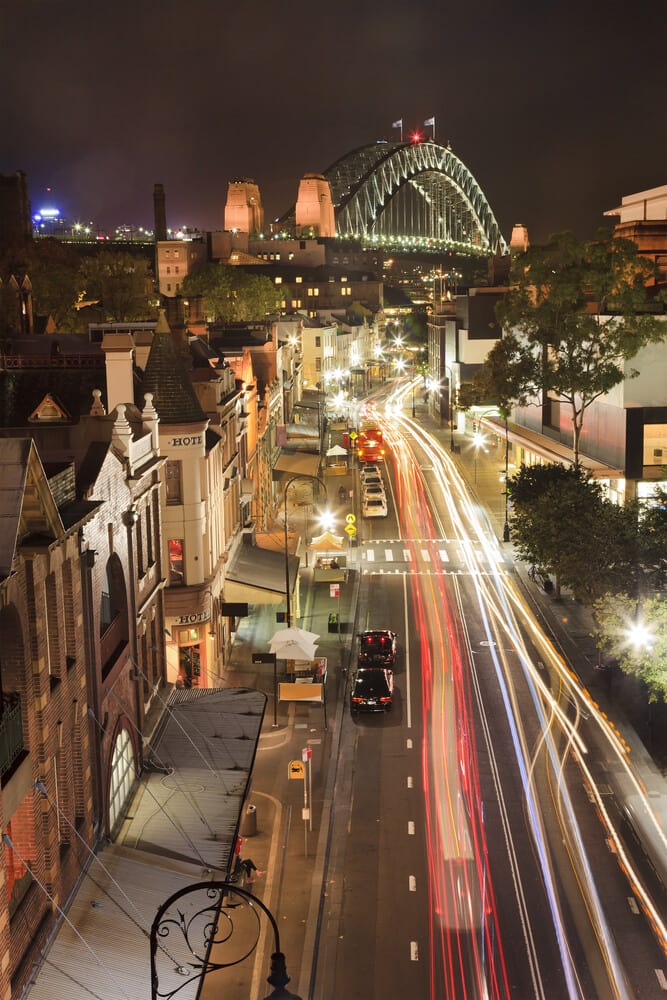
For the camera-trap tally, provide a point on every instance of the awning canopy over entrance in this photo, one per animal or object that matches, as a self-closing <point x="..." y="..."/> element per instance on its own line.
<point x="258" y="576"/>
<point x="296" y="463"/>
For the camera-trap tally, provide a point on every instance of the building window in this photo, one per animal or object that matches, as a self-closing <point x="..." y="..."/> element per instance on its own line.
<point x="318" y="364"/>
<point x="290" y="255"/>
<point x="123" y="773"/>
<point x="299" y="279"/>
<point x="177" y="269"/>
<point x="149" y="536"/>
<point x="313" y="291"/>
<point x="168" y="270"/>
<point x="296" y="303"/>
<point x="343" y="280"/>
<point x="345" y="291"/>
<point x="173" y="482"/>
<point x="318" y="341"/>
<point x="278" y="280"/>
<point x="168" y="288"/>
<point x="175" y="546"/>
<point x="139" y="527"/>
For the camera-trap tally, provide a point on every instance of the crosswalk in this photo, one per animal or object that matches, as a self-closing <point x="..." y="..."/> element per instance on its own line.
<point x="435" y="555"/>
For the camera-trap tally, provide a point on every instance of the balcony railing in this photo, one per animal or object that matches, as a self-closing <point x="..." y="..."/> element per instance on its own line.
<point x="11" y="731"/>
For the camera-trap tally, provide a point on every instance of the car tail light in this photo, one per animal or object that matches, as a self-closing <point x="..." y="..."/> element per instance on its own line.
<point x="357" y="701"/>
<point x="385" y="698"/>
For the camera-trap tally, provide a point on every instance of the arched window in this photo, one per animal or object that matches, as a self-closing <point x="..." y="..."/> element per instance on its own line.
<point x="123" y="773"/>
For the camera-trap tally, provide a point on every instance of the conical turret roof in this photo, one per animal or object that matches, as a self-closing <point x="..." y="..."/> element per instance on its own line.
<point x="173" y="395"/>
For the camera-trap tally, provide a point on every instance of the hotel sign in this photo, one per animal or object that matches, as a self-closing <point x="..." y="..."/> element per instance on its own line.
<point x="197" y="619"/>
<point x="185" y="442"/>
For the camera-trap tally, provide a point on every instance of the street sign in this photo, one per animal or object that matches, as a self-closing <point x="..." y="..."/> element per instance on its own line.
<point x="350" y="518"/>
<point x="334" y="590"/>
<point x="353" y="435"/>
<point x="351" y="530"/>
<point x="296" y="770"/>
<point x="307" y="753"/>
<point x="263" y="657"/>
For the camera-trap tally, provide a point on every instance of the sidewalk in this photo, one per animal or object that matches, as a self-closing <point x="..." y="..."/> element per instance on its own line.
<point x="288" y="849"/>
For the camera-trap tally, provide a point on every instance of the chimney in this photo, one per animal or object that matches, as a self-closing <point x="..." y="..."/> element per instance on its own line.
<point x="160" y="212"/>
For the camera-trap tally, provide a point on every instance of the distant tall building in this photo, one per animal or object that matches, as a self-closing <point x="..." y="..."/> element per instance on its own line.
<point x="243" y="210"/>
<point x="314" y="207"/>
<point x="15" y="221"/>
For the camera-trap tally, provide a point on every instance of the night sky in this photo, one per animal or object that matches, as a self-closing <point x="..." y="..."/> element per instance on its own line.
<point x="556" y="108"/>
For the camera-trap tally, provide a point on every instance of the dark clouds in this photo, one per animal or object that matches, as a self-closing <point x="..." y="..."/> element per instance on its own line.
<point x="556" y="109"/>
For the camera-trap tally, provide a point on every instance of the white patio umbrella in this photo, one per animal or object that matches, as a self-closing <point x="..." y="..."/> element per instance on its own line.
<point x="337" y="450"/>
<point x="294" y="644"/>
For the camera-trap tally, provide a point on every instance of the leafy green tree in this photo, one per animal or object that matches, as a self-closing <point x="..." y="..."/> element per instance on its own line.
<point x="562" y="522"/>
<point x="52" y="268"/>
<point x="122" y="283"/>
<point x="231" y="295"/>
<point x="576" y="312"/>
<point x="636" y="636"/>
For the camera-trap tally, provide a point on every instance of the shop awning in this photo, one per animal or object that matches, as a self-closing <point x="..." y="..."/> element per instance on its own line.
<point x="296" y="463"/>
<point x="257" y="576"/>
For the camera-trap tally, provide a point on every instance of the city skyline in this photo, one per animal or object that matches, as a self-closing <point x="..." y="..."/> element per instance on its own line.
<point x="552" y="111"/>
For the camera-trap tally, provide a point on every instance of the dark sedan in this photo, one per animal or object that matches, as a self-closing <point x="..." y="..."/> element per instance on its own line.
<point x="377" y="648"/>
<point x="372" y="690"/>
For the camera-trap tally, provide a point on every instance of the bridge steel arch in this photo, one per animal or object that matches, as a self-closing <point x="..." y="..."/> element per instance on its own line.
<point x="454" y="212"/>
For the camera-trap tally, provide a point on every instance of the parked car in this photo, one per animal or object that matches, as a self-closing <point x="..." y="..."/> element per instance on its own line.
<point x="372" y="690"/>
<point x="374" y="491"/>
<point x="374" y="507"/>
<point x="369" y="470"/>
<point x="372" y="481"/>
<point x="377" y="648"/>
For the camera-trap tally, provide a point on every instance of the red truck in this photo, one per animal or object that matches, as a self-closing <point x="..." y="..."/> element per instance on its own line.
<point x="370" y="444"/>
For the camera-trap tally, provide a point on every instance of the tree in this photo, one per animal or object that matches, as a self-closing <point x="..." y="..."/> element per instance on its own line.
<point x="576" y="312"/>
<point x="52" y="268"/>
<point x="636" y="635"/>
<point x="122" y="283"/>
<point x="562" y="522"/>
<point x="231" y="295"/>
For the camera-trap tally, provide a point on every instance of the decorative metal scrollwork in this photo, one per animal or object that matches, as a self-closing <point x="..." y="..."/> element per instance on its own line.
<point x="204" y="928"/>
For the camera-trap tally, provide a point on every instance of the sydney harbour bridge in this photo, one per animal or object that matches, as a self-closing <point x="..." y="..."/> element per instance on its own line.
<point x="410" y="196"/>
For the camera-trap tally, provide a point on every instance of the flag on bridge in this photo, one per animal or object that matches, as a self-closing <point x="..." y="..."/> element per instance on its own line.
<point x="430" y="121"/>
<point x="398" y="124"/>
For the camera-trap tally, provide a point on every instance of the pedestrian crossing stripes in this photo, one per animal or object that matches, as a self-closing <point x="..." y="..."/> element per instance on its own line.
<point x="428" y="554"/>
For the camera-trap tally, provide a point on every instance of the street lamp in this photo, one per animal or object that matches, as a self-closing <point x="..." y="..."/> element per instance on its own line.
<point x="450" y="405"/>
<point x="206" y="927"/>
<point x="477" y="440"/>
<point x="293" y="479"/>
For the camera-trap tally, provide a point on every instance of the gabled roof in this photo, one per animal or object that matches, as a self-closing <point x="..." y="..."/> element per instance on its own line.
<point x="27" y="507"/>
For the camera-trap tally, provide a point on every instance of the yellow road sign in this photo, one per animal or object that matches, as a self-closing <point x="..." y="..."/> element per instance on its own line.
<point x="296" y="770"/>
<point x="351" y="530"/>
<point x="350" y="518"/>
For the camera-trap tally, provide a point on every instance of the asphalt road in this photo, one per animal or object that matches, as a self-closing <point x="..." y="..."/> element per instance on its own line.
<point x="467" y="855"/>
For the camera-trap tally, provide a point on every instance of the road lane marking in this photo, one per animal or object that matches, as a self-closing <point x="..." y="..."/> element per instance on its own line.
<point x="407" y="555"/>
<point x="660" y="976"/>
<point x="426" y="556"/>
<point x="411" y="828"/>
<point x="408" y="744"/>
<point x="408" y="694"/>
<point x="414" y="951"/>
<point x="389" y="555"/>
<point x="409" y="781"/>
<point x="370" y="555"/>
<point x="444" y="555"/>
<point x="632" y="903"/>
<point x="412" y="883"/>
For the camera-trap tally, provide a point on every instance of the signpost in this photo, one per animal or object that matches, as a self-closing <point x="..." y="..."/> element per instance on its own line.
<point x="307" y="757"/>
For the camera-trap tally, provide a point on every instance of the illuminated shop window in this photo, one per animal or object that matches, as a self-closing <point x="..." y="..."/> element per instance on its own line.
<point x="176" y="560"/>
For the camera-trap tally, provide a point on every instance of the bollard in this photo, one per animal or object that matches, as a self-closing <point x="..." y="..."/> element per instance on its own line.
<point x="249" y="822"/>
